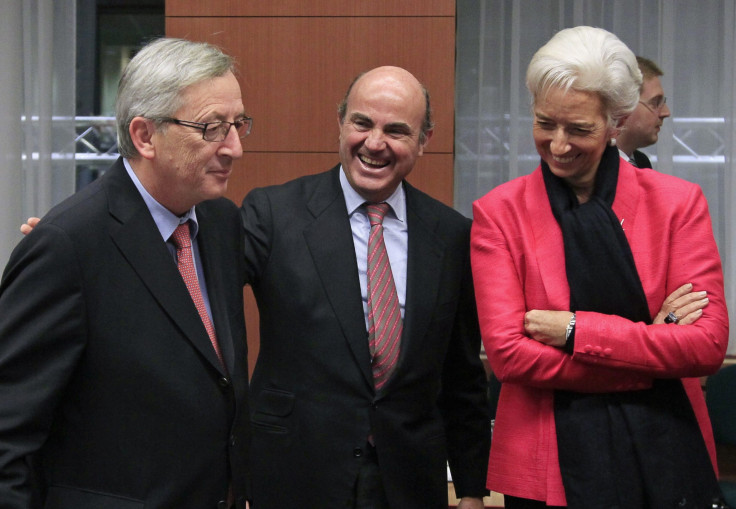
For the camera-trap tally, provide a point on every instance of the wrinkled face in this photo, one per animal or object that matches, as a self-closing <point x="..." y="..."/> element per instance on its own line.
<point x="642" y="127"/>
<point x="379" y="136"/>
<point x="571" y="132"/>
<point x="189" y="169"/>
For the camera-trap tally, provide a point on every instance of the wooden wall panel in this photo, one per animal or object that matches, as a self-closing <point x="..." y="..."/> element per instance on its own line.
<point x="296" y="59"/>
<point x="294" y="71"/>
<point x="310" y="8"/>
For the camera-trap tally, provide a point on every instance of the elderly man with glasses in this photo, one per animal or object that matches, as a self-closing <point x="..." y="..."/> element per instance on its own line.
<point x="122" y="337"/>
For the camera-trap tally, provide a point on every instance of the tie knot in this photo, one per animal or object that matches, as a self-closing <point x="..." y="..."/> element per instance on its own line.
<point x="376" y="212"/>
<point x="181" y="237"/>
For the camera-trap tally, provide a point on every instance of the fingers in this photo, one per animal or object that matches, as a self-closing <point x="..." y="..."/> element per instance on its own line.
<point x="684" y="290"/>
<point x="685" y="304"/>
<point x="690" y="317"/>
<point x="29" y="225"/>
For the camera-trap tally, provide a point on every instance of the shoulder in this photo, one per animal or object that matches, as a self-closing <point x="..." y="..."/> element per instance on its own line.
<point x="425" y="205"/>
<point x="512" y="195"/>
<point x="665" y="189"/>
<point x="301" y="187"/>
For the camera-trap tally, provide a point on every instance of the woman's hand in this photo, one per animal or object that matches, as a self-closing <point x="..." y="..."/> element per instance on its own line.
<point x="548" y="327"/>
<point x="686" y="305"/>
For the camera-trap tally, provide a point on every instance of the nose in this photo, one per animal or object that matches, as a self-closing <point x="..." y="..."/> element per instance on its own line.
<point x="559" y="144"/>
<point x="375" y="140"/>
<point x="664" y="112"/>
<point x="232" y="144"/>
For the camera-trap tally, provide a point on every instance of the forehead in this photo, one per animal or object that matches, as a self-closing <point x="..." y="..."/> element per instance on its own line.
<point x="652" y="87"/>
<point x="569" y="105"/>
<point x="219" y="96"/>
<point x="387" y="97"/>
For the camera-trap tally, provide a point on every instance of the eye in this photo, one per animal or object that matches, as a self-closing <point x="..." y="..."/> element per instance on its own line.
<point x="580" y="131"/>
<point x="212" y="129"/>
<point x="361" y="124"/>
<point x="397" y="133"/>
<point x="545" y="124"/>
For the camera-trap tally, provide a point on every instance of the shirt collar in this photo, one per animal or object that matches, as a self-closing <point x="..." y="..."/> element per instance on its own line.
<point x="625" y="156"/>
<point x="166" y="221"/>
<point x="354" y="201"/>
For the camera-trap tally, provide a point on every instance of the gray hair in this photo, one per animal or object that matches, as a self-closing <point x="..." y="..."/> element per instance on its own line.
<point x="152" y="82"/>
<point x="591" y="60"/>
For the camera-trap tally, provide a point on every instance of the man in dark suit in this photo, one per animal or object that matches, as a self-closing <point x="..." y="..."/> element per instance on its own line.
<point x="124" y="377"/>
<point x="324" y="435"/>
<point x="642" y="126"/>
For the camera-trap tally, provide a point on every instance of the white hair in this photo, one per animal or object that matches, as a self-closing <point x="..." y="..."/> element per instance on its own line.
<point x="592" y="60"/>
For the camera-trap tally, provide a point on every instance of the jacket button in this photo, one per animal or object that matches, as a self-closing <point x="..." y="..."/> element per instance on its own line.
<point x="233" y="440"/>
<point x="224" y="382"/>
<point x="357" y="452"/>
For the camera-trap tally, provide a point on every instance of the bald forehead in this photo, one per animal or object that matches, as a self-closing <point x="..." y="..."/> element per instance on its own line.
<point x="389" y="82"/>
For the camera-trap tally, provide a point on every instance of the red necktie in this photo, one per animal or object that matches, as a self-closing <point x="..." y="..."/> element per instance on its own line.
<point x="185" y="261"/>
<point x="384" y="313"/>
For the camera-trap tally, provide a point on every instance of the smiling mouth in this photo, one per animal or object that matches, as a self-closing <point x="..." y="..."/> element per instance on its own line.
<point x="563" y="160"/>
<point x="374" y="163"/>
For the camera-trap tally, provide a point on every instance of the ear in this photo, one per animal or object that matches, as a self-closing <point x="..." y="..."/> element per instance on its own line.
<point x="141" y="133"/>
<point x="619" y="126"/>
<point x="426" y="141"/>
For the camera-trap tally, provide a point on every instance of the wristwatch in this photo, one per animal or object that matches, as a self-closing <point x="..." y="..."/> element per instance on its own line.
<point x="570" y="331"/>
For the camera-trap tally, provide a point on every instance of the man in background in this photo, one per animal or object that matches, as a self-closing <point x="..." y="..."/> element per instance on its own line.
<point x="352" y="410"/>
<point x="122" y="338"/>
<point x="642" y="127"/>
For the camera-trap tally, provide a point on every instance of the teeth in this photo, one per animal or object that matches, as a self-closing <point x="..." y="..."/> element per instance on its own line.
<point x="563" y="160"/>
<point x="373" y="162"/>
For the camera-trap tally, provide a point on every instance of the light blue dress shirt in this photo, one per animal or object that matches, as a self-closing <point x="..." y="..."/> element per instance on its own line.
<point x="166" y="222"/>
<point x="395" y="236"/>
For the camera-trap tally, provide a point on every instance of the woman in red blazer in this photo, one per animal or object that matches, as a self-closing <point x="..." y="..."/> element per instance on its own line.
<point x="582" y="271"/>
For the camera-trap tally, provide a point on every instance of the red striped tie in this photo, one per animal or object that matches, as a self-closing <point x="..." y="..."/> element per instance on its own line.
<point x="185" y="261"/>
<point x="384" y="313"/>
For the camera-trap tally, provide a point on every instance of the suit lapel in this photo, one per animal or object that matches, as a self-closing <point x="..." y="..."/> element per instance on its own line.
<point x="329" y="239"/>
<point x="141" y="245"/>
<point x="211" y="251"/>
<point x="548" y="239"/>
<point x="628" y="194"/>
<point x="424" y="267"/>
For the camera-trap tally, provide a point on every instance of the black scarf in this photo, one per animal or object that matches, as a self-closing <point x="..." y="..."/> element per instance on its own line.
<point x="628" y="450"/>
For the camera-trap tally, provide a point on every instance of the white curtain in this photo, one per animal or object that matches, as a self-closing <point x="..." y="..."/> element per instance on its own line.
<point x="694" y="43"/>
<point x="37" y="107"/>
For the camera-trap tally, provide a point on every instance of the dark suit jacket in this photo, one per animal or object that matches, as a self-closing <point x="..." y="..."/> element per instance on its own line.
<point x="312" y="396"/>
<point x="641" y="159"/>
<point x="109" y="383"/>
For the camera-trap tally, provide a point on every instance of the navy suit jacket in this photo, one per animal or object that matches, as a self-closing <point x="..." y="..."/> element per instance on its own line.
<point x="312" y="395"/>
<point x="110" y="386"/>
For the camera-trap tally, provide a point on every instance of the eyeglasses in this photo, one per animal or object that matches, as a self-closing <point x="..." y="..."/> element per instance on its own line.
<point x="655" y="104"/>
<point x="215" y="131"/>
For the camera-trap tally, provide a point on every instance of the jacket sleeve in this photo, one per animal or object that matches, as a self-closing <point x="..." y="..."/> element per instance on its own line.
<point x="256" y="216"/>
<point x="501" y="254"/>
<point x="42" y="336"/>
<point x="687" y="254"/>
<point x="464" y="401"/>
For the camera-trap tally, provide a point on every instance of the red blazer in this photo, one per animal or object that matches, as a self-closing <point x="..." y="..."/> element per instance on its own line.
<point x="518" y="265"/>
